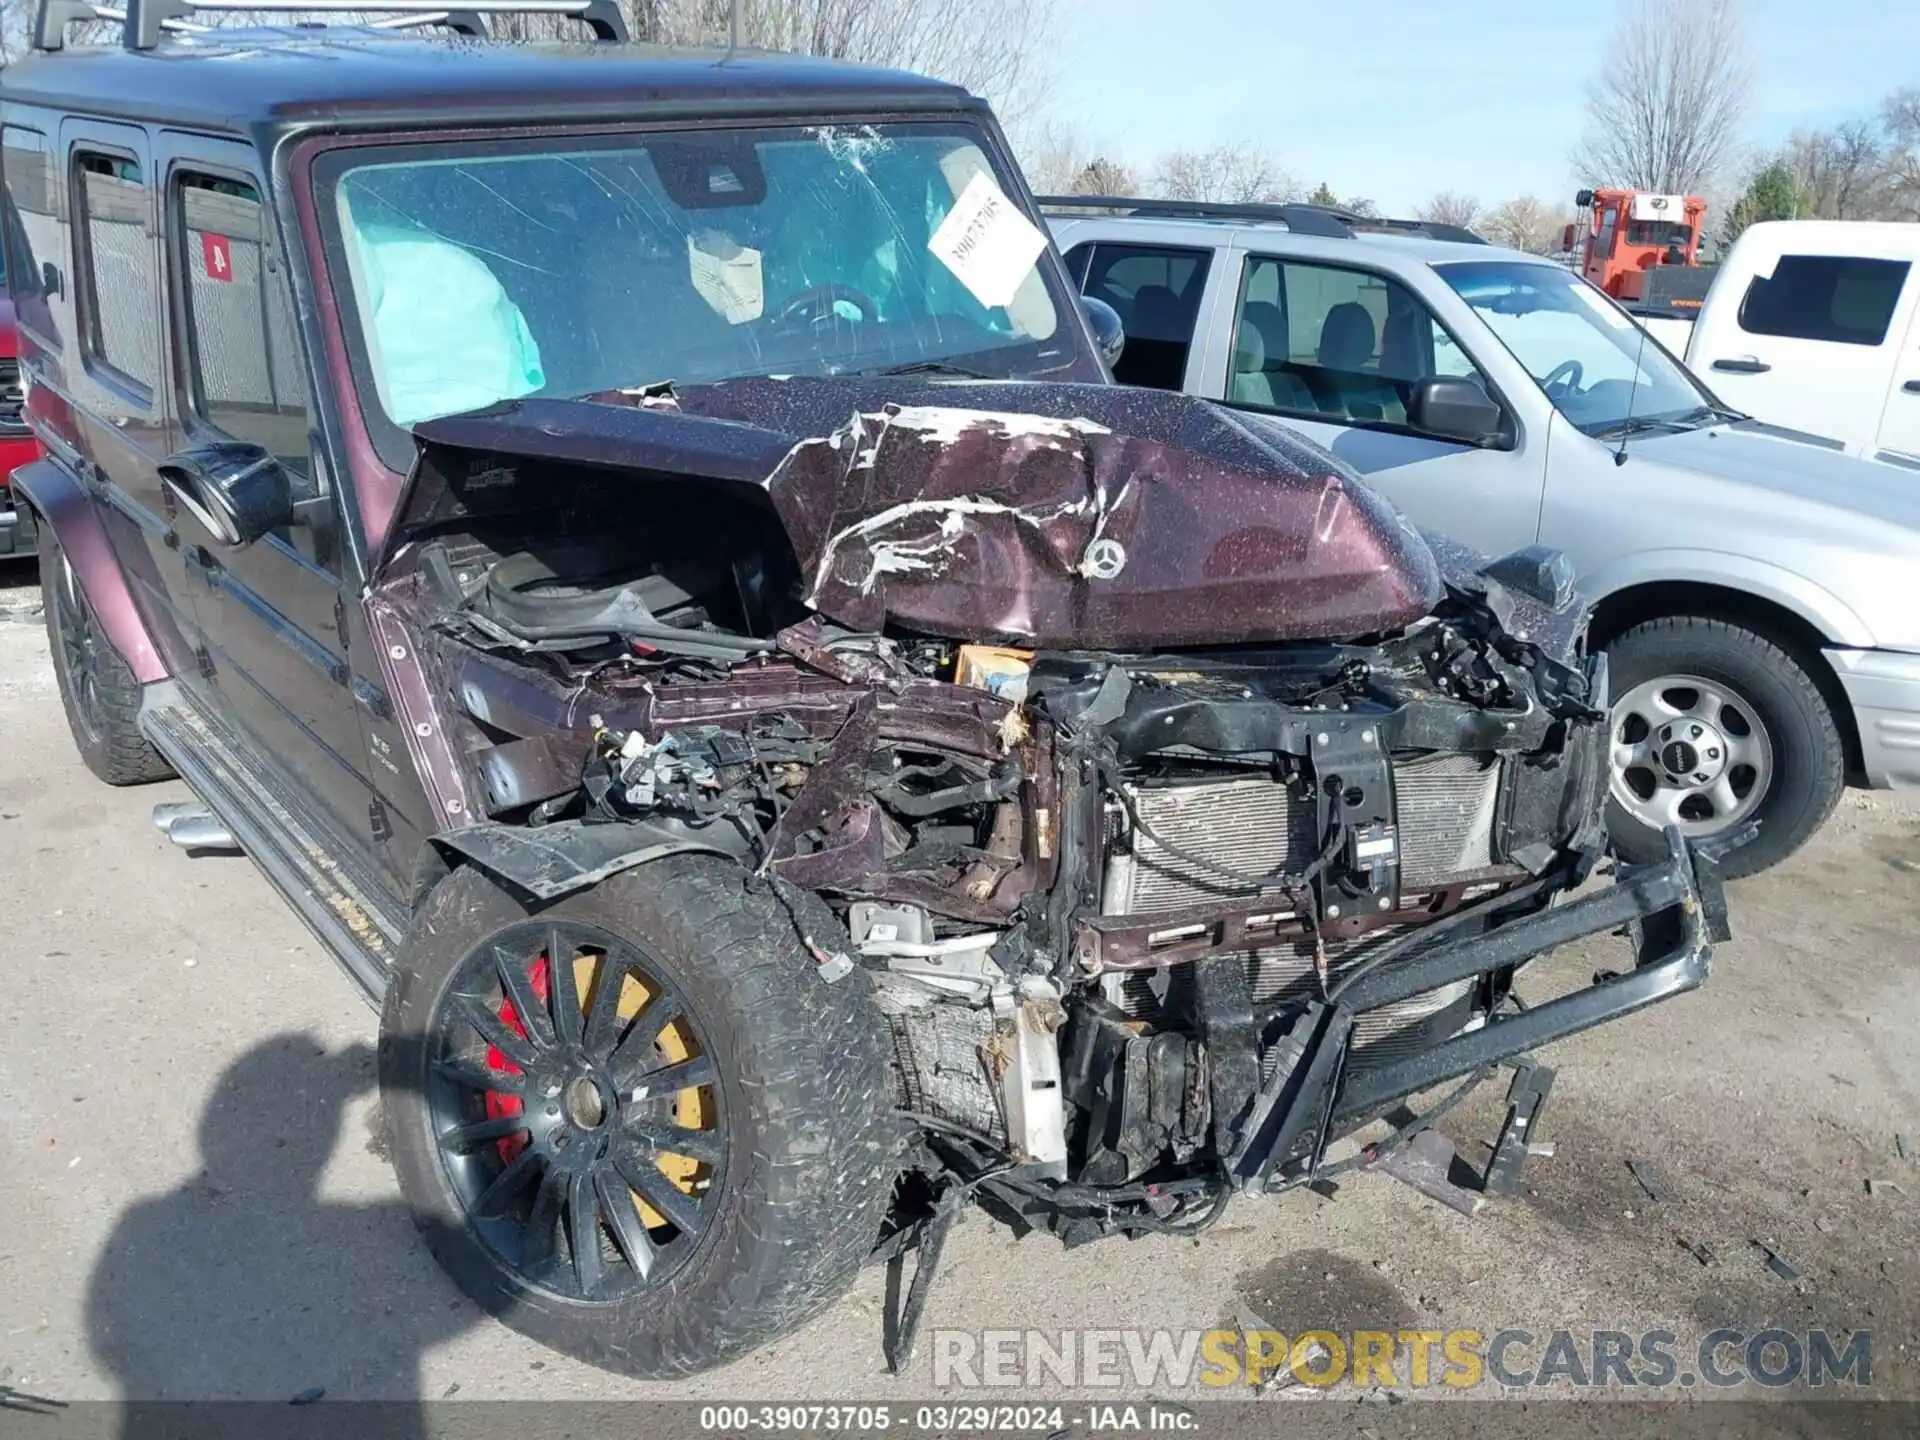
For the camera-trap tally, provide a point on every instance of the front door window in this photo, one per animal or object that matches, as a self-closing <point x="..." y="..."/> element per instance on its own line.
<point x="1332" y="343"/>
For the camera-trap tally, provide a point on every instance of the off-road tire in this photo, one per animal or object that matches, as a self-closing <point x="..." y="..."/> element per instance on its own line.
<point x="106" y="726"/>
<point x="1810" y="757"/>
<point x="805" y="1084"/>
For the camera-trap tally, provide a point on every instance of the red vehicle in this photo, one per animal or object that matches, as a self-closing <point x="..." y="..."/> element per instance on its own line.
<point x="1642" y="249"/>
<point x="17" y="445"/>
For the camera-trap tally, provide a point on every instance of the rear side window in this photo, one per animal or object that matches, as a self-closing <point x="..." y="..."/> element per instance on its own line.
<point x="1157" y="292"/>
<point x="120" y="321"/>
<point x="248" y="379"/>
<point x="1838" y="298"/>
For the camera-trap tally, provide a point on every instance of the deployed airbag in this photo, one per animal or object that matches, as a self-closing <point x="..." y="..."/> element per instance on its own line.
<point x="443" y="334"/>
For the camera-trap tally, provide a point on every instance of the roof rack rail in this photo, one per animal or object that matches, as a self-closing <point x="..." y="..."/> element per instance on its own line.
<point x="1432" y="229"/>
<point x="1302" y="219"/>
<point x="142" y="21"/>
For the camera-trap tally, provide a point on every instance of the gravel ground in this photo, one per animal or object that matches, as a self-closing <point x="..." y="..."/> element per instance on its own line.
<point x="197" y="1207"/>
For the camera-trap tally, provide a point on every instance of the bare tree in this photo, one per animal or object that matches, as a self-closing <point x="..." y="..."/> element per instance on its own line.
<point x="1060" y="160"/>
<point x="18" y="17"/>
<point x="1449" y="208"/>
<point x="1238" y="174"/>
<point x="1052" y="153"/>
<point x="1002" y="49"/>
<point x="1900" y="117"/>
<point x="1665" y="111"/>
<point x="1840" y="174"/>
<point x="1101" y="176"/>
<point x="1526" y="223"/>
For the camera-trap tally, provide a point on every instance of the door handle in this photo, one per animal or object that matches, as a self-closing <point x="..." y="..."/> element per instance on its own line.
<point x="1743" y="367"/>
<point x="1912" y="387"/>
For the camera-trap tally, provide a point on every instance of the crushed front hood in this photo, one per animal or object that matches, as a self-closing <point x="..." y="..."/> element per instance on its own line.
<point x="1056" y="516"/>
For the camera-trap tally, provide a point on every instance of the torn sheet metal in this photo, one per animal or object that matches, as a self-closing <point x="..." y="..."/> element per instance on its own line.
<point x="1057" y="532"/>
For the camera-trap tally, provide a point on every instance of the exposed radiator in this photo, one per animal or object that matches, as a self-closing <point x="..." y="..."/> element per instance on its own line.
<point x="1445" y="808"/>
<point x="940" y="1065"/>
<point x="1446" y="805"/>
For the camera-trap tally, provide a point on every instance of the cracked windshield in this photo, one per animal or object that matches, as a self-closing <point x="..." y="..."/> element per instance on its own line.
<point x="1594" y="363"/>
<point x="690" y="258"/>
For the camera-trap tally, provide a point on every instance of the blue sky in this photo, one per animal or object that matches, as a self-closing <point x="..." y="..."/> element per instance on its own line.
<point x="1396" y="99"/>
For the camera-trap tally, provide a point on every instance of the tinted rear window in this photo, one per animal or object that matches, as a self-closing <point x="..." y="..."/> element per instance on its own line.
<point x="1838" y="298"/>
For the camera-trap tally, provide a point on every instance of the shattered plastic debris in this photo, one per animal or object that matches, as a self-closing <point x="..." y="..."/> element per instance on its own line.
<point x="1778" y="1263"/>
<point x="1650" y="1180"/>
<point x="1314" y="1357"/>
<point x="1699" y="1249"/>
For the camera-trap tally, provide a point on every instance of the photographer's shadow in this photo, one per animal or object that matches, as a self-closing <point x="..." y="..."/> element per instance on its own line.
<point x="244" y="1283"/>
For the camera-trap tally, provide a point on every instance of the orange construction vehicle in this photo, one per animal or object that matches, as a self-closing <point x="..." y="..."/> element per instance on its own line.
<point x="1642" y="249"/>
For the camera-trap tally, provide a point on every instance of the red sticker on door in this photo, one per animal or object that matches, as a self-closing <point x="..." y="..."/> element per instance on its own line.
<point x="216" y="251"/>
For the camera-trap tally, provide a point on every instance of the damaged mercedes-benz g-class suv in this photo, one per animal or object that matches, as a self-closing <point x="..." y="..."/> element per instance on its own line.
<point x="669" y="595"/>
<point x="1174" y="806"/>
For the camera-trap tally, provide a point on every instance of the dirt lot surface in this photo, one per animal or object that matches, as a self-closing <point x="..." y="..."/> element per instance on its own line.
<point x="196" y="1207"/>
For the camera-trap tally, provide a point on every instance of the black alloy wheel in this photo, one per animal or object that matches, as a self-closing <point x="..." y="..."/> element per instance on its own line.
<point x="78" y="634"/>
<point x="98" y="690"/>
<point x="573" y="1101"/>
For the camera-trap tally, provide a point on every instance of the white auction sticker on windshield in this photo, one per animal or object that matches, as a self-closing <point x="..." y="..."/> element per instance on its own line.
<point x="727" y="276"/>
<point x="1596" y="302"/>
<point x="987" y="243"/>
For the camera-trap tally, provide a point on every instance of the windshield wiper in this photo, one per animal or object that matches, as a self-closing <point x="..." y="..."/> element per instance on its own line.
<point x="1709" y="414"/>
<point x="1638" y="425"/>
<point x="929" y="367"/>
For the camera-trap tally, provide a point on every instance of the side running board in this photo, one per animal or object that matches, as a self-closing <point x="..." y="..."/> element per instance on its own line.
<point x="347" y="909"/>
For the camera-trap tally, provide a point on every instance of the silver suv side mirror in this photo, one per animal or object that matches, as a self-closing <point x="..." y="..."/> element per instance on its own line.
<point x="1109" y="334"/>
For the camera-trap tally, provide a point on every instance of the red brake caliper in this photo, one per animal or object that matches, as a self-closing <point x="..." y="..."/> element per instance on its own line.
<point x="497" y="1103"/>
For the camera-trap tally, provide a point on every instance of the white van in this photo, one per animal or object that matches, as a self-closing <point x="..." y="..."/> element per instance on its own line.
<point x="1815" y="324"/>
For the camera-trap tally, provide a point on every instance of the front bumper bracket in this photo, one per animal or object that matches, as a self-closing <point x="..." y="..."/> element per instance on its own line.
<point x="1673" y="911"/>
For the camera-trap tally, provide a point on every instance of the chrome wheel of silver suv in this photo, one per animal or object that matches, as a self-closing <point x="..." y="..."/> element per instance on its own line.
<point x="1718" y="725"/>
<point x="1691" y="752"/>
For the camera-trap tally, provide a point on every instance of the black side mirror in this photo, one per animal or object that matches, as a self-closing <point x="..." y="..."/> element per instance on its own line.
<point x="1109" y="335"/>
<point x="1455" y="409"/>
<point x="237" y="491"/>
<point x="49" y="278"/>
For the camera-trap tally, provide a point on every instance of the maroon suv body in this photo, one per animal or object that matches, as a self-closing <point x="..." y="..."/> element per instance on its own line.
<point x="641" y="551"/>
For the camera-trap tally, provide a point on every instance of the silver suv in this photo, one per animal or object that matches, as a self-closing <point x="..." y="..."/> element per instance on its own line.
<point x="1757" y="590"/>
